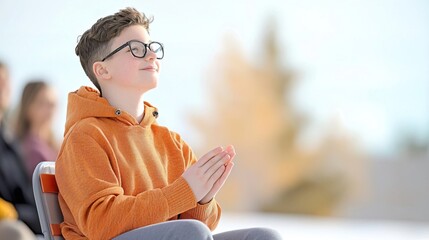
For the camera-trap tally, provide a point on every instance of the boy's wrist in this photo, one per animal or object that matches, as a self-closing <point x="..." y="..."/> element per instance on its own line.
<point x="205" y="201"/>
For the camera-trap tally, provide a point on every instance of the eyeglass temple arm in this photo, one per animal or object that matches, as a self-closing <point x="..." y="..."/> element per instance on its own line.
<point x="116" y="50"/>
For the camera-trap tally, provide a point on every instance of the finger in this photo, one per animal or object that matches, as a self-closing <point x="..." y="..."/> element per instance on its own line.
<point x="219" y="183"/>
<point x="214" y="170"/>
<point x="231" y="158"/>
<point x="209" y="156"/>
<point x="211" y="166"/>
<point x="227" y="171"/>
<point x="230" y="150"/>
<point x="212" y="161"/>
<point x="216" y="175"/>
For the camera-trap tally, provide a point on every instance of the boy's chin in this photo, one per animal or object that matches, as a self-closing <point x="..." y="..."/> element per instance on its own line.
<point x="148" y="86"/>
<point x="152" y="84"/>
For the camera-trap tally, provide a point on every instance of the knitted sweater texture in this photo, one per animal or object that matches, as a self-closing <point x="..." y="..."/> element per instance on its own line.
<point x="115" y="174"/>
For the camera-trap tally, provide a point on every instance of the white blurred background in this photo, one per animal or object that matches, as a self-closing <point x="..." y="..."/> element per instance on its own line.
<point x="359" y="73"/>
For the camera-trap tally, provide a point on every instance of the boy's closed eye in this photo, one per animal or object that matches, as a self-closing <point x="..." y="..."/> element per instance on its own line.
<point x="135" y="50"/>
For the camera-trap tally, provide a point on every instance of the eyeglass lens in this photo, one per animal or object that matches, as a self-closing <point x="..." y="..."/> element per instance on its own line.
<point x="138" y="49"/>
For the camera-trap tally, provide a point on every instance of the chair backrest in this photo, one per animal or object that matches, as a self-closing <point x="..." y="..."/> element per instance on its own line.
<point x="45" y="191"/>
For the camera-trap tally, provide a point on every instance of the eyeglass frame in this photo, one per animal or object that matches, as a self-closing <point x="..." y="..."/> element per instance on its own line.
<point x="146" y="45"/>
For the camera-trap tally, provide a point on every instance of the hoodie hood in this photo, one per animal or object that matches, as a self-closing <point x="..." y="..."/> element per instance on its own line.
<point x="87" y="103"/>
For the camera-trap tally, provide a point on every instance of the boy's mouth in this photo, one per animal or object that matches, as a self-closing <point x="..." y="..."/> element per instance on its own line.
<point x="150" y="68"/>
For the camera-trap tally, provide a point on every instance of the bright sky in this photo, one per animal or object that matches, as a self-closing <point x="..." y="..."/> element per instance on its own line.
<point x="364" y="63"/>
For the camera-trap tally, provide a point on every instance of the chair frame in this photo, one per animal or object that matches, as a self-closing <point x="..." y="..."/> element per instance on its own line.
<point x="45" y="191"/>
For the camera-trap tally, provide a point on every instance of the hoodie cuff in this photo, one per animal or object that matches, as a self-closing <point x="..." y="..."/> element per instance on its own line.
<point x="180" y="197"/>
<point x="204" y="211"/>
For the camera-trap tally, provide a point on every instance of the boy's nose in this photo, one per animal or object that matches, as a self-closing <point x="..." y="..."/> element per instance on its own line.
<point x="150" y="56"/>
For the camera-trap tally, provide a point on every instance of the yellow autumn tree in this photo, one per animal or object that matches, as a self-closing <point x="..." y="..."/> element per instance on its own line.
<point x="251" y="107"/>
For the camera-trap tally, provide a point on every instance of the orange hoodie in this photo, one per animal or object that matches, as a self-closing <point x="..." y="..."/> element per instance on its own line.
<point x="115" y="175"/>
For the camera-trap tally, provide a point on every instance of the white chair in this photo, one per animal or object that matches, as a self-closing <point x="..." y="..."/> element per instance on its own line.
<point x="45" y="191"/>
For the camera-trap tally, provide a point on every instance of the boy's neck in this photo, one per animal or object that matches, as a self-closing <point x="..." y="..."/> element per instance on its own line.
<point x="131" y="102"/>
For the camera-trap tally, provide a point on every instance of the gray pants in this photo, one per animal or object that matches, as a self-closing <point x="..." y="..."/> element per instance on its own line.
<point x="15" y="230"/>
<point x="194" y="230"/>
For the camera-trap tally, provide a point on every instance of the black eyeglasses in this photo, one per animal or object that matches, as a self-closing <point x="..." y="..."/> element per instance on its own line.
<point x="139" y="49"/>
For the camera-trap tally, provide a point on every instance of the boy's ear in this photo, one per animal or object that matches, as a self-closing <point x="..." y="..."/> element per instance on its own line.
<point x="100" y="71"/>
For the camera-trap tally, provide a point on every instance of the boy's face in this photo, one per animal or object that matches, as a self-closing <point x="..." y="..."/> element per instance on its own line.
<point x="127" y="71"/>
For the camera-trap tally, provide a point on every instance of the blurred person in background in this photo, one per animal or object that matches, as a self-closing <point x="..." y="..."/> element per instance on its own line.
<point x="17" y="205"/>
<point x="34" y="124"/>
<point x="10" y="227"/>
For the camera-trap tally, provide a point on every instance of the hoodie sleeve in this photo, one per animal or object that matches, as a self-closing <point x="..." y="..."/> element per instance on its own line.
<point x="208" y="213"/>
<point x="91" y="192"/>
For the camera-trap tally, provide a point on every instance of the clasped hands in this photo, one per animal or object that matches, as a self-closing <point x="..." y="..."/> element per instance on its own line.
<point x="207" y="176"/>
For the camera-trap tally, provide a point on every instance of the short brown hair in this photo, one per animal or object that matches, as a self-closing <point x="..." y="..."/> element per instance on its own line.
<point x="95" y="42"/>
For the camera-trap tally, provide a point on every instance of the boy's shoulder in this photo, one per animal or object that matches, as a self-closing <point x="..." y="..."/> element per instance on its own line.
<point x="88" y="126"/>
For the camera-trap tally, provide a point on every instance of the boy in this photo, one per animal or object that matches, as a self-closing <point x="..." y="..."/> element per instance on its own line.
<point x="119" y="173"/>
